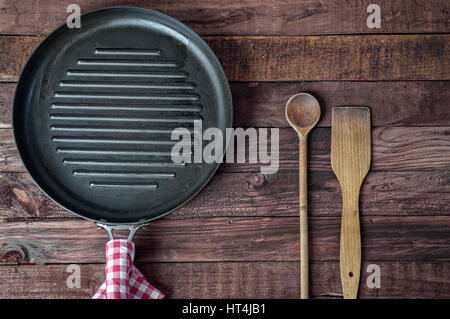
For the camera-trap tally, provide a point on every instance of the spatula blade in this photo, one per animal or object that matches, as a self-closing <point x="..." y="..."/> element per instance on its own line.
<point x="350" y="143"/>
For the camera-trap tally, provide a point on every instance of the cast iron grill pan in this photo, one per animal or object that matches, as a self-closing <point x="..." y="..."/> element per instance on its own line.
<point x="95" y="108"/>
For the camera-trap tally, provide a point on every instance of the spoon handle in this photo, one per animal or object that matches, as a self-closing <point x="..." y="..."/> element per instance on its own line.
<point x="303" y="188"/>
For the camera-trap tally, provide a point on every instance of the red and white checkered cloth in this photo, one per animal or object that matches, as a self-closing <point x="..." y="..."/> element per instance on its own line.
<point x="123" y="279"/>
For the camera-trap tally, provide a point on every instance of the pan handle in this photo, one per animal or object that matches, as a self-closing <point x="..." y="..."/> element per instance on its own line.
<point x="123" y="279"/>
<point x="132" y="228"/>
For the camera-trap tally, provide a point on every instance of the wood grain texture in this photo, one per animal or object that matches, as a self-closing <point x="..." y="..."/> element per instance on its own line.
<point x="246" y="17"/>
<point x="18" y="50"/>
<point x="239" y="237"/>
<point x="6" y="104"/>
<point x="350" y="160"/>
<point x="303" y="210"/>
<point x="225" y="280"/>
<point x="322" y="58"/>
<point x="261" y="104"/>
<point x="424" y="193"/>
<point x="299" y="58"/>
<point x="393" y="149"/>
<point x="405" y="238"/>
<point x="302" y="113"/>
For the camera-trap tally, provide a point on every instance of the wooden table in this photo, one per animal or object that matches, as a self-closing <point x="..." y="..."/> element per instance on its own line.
<point x="239" y="238"/>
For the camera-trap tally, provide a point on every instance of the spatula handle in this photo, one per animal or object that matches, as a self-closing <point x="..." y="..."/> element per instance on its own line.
<point x="350" y="254"/>
<point x="303" y="188"/>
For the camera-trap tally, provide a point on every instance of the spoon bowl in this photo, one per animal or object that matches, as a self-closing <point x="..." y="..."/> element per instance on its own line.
<point x="302" y="112"/>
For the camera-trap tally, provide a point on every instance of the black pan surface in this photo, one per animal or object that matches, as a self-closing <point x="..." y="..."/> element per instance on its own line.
<point x="95" y="107"/>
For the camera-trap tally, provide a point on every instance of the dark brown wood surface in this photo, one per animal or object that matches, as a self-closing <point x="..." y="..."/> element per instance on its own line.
<point x="227" y="239"/>
<point x="300" y="58"/>
<point x="393" y="149"/>
<point x="416" y="279"/>
<point x="246" y="17"/>
<point x="417" y="193"/>
<point x="393" y="103"/>
<point x="239" y="237"/>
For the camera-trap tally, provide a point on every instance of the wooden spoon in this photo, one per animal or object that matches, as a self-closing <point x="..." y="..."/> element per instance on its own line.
<point x="303" y="113"/>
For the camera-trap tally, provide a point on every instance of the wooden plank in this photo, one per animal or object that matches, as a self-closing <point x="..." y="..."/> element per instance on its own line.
<point x="405" y="193"/>
<point x="18" y="49"/>
<point x="228" y="239"/>
<point x="252" y="194"/>
<point x="246" y="17"/>
<point x="261" y="104"/>
<point x="224" y="280"/>
<point x="322" y="58"/>
<point x="9" y="157"/>
<point x="393" y="149"/>
<point x="300" y="58"/>
<point x="6" y="104"/>
<point x="21" y="198"/>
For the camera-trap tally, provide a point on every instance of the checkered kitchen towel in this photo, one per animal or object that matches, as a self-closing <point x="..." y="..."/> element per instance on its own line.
<point x="123" y="279"/>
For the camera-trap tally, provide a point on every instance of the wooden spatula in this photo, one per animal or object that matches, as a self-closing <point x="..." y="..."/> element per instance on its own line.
<point x="350" y="160"/>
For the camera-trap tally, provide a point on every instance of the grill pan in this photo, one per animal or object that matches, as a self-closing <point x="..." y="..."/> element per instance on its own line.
<point x="95" y="107"/>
